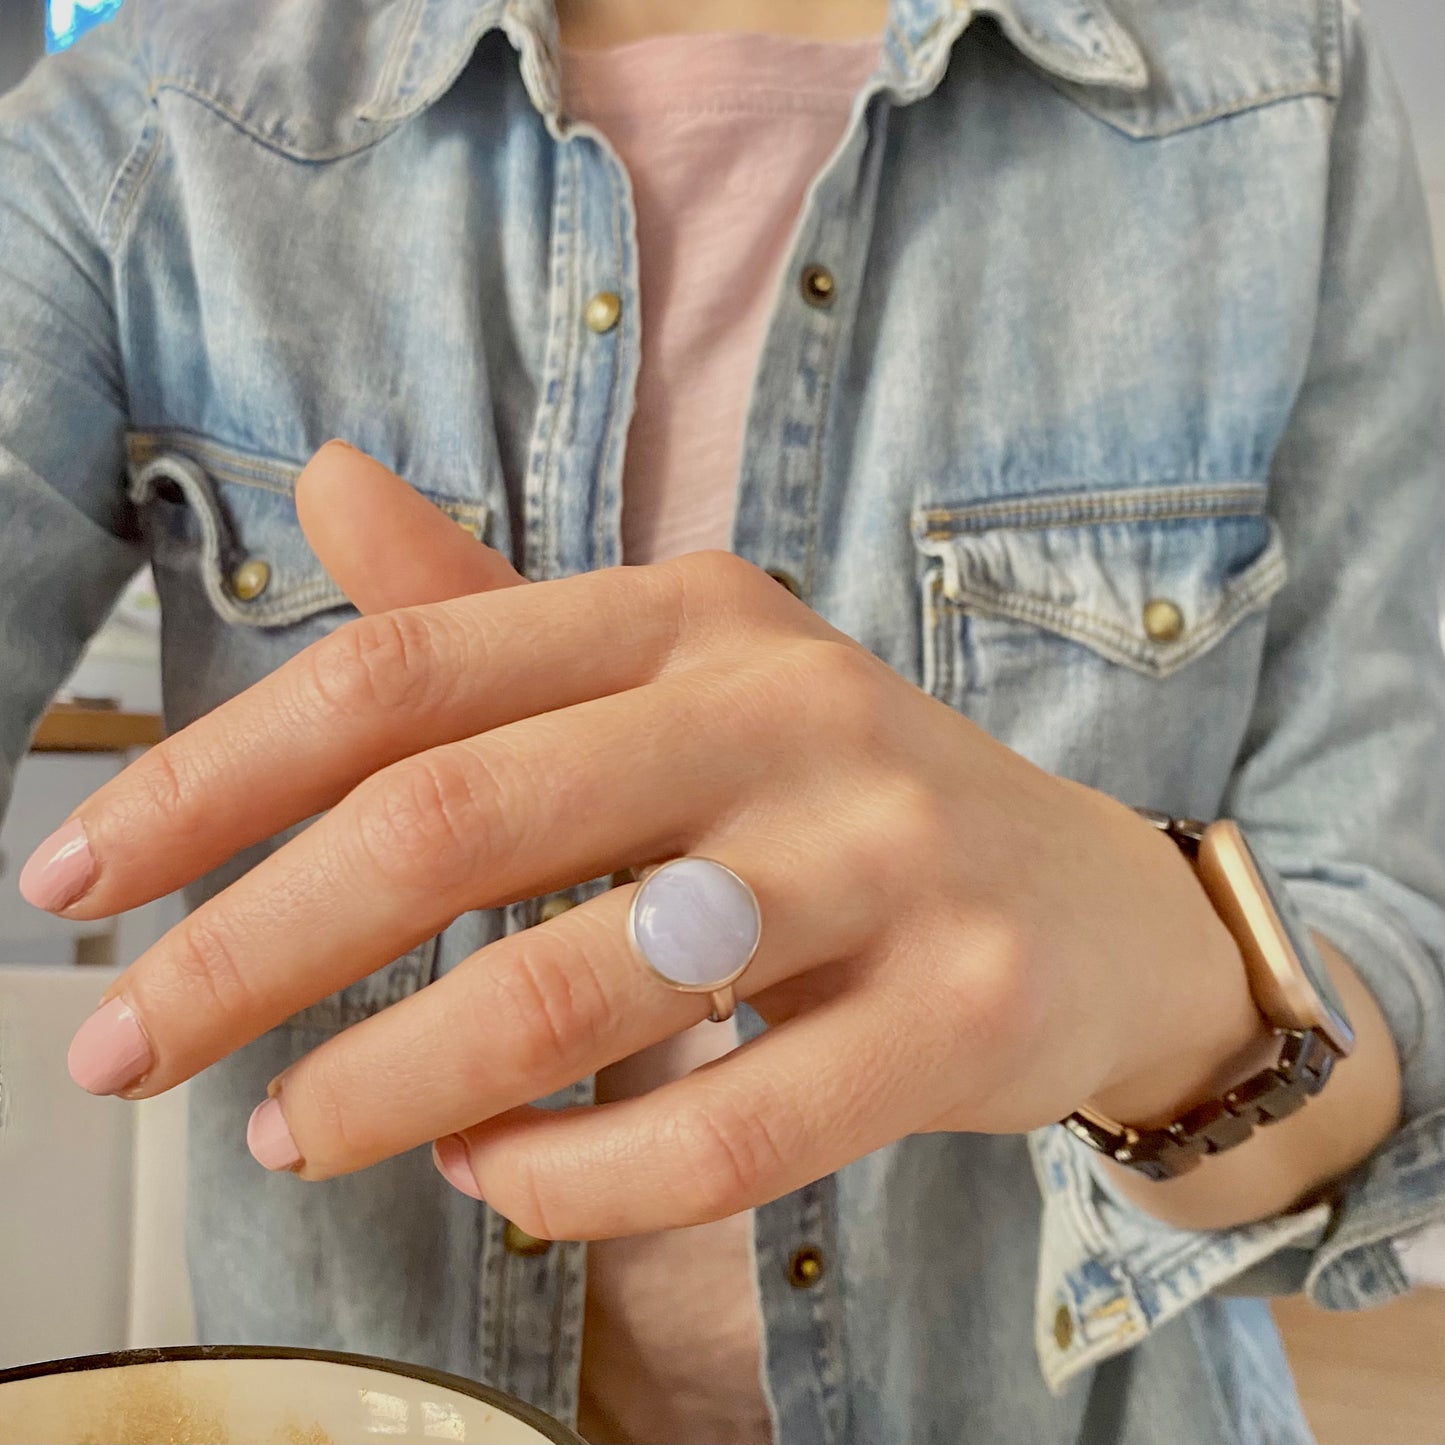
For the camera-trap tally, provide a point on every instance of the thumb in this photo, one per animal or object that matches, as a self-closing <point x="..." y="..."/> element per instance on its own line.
<point x="382" y="542"/>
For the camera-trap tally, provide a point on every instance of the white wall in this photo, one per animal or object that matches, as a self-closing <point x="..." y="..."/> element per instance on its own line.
<point x="1413" y="32"/>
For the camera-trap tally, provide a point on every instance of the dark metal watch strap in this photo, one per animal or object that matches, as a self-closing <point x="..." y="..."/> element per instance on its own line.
<point x="1302" y="1070"/>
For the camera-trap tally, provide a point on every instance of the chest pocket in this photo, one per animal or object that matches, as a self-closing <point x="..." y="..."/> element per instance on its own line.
<point x="241" y="591"/>
<point x="1112" y="636"/>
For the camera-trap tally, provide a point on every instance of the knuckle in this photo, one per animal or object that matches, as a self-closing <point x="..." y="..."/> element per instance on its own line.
<point x="158" y="788"/>
<point x="208" y="964"/>
<point x="730" y="1157"/>
<point x="908" y="821"/>
<point x="316" y="1101"/>
<point x="716" y="588"/>
<point x="528" y="1193"/>
<point x="425" y="820"/>
<point x="164" y="790"/>
<point x="718" y="571"/>
<point x="846" y="683"/>
<point x="887" y="841"/>
<point x="988" y="988"/>
<point x="550" y="1006"/>
<point x="385" y="661"/>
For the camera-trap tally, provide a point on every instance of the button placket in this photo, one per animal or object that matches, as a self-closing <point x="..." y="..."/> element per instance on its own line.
<point x="776" y="526"/>
<point x="535" y="1290"/>
<point x="602" y="312"/>
<point x="778" y="510"/>
<point x="795" y="1251"/>
<point x="516" y="1241"/>
<point x="818" y="286"/>
<point x="806" y="1267"/>
<point x="786" y="580"/>
<point x="573" y="486"/>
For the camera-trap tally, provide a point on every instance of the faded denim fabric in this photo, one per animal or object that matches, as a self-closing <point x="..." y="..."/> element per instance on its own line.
<point x="1131" y="302"/>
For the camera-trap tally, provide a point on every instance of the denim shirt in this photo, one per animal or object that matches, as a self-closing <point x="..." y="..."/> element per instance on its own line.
<point x="1131" y="302"/>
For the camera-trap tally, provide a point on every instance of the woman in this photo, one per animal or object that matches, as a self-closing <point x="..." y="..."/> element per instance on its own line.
<point x="1075" y="368"/>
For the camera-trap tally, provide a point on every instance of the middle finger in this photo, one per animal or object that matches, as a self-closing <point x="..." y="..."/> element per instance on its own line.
<point x="522" y="809"/>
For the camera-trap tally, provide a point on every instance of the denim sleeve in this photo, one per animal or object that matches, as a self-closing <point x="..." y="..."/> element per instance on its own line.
<point x="74" y="138"/>
<point x="1341" y="778"/>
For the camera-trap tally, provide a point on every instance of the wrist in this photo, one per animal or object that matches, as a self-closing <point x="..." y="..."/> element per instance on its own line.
<point x="1194" y="1030"/>
<point x="1301" y="1159"/>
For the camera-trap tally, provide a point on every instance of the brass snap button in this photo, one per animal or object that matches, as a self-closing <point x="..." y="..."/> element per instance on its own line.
<point x="251" y="579"/>
<point x="1163" y="620"/>
<point x="516" y="1240"/>
<point x="819" y="288"/>
<point x="786" y="579"/>
<point x="553" y="908"/>
<point x="806" y="1267"/>
<point x="602" y="311"/>
<point x="1063" y="1327"/>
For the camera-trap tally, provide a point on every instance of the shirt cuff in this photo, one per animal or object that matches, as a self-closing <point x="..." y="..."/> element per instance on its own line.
<point x="1396" y="942"/>
<point x="1109" y="1272"/>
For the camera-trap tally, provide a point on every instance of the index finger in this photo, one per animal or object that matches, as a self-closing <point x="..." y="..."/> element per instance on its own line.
<point x="376" y="690"/>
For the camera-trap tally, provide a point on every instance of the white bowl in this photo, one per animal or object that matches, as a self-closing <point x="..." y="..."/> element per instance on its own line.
<point x="254" y="1395"/>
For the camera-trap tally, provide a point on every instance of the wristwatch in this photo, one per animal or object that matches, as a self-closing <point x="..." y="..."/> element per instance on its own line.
<point x="1290" y="986"/>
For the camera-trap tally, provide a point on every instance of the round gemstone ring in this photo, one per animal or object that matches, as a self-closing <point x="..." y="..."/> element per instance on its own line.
<point x="696" y="925"/>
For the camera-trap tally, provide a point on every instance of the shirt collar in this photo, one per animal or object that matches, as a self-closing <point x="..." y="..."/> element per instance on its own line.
<point x="1077" y="40"/>
<point x="434" y="39"/>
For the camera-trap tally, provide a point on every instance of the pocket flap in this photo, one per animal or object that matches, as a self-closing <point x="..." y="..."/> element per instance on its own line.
<point x="237" y="512"/>
<point x="1147" y="577"/>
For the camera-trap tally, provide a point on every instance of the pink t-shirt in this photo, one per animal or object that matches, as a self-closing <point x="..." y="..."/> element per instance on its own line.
<point x="721" y="136"/>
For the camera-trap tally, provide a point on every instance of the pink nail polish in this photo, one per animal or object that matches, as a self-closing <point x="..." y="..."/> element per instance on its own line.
<point x="454" y="1162"/>
<point x="269" y="1138"/>
<point x="60" y="870"/>
<point x="110" y="1050"/>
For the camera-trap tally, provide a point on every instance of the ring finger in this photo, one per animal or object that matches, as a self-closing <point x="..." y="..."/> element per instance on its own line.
<point x="530" y="1014"/>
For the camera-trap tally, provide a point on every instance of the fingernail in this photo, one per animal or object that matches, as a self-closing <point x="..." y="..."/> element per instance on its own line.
<point x="451" y="1157"/>
<point x="60" y="870"/>
<point x="110" y="1050"/>
<point x="269" y="1139"/>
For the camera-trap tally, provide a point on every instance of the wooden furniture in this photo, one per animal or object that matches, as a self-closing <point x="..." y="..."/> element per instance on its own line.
<point x="1370" y="1377"/>
<point x="77" y="728"/>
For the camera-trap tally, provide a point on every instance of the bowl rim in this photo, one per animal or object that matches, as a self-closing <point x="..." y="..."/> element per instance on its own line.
<point x="528" y="1414"/>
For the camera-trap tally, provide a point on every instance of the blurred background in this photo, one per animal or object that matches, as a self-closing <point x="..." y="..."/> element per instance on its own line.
<point x="91" y="1201"/>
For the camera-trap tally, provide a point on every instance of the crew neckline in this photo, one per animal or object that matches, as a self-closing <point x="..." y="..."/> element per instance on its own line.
<point x="694" y="71"/>
<point x="753" y="41"/>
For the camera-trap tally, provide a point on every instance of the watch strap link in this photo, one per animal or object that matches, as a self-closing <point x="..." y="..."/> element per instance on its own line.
<point x="1301" y="1071"/>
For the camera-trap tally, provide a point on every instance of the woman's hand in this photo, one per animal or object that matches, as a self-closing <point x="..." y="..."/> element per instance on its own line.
<point x="952" y="938"/>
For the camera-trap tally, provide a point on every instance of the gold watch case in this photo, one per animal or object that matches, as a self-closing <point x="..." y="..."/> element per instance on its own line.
<point x="1287" y="977"/>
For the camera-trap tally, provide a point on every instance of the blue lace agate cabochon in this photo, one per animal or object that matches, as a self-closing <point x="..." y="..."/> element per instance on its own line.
<point x="696" y="923"/>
